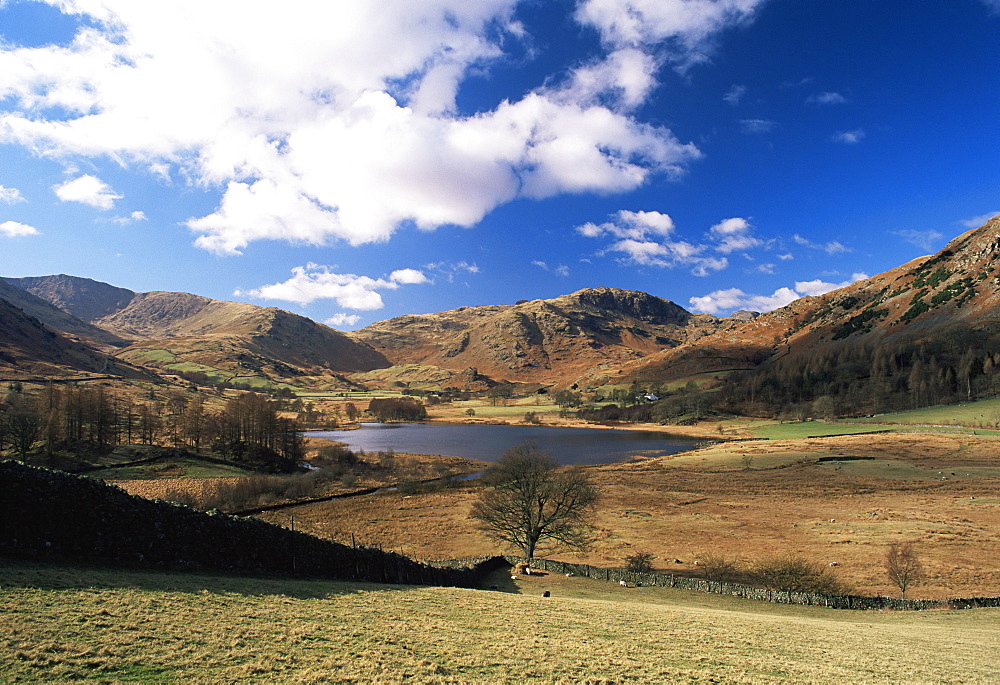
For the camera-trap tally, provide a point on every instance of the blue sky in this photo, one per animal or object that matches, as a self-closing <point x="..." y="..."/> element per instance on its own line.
<point x="354" y="161"/>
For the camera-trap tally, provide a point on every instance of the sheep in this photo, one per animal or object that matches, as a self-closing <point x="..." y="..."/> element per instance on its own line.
<point x="513" y="577"/>
<point x="834" y="563"/>
<point x="623" y="583"/>
<point x="546" y="594"/>
<point x="569" y="575"/>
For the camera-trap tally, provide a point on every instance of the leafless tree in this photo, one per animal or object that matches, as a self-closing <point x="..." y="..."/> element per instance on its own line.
<point x="531" y="501"/>
<point x="902" y="564"/>
<point x="795" y="574"/>
<point x="719" y="567"/>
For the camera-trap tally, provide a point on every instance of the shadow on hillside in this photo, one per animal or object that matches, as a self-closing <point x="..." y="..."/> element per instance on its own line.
<point x="16" y="573"/>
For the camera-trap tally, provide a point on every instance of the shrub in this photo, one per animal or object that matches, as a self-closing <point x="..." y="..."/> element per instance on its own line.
<point x="720" y="568"/>
<point x="795" y="574"/>
<point x="640" y="562"/>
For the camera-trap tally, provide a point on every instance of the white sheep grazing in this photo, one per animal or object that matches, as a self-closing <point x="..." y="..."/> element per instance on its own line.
<point x="513" y="577"/>
<point x="569" y="575"/>
<point x="623" y="583"/>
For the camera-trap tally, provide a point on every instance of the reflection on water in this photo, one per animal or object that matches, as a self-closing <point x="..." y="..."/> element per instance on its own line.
<point x="487" y="443"/>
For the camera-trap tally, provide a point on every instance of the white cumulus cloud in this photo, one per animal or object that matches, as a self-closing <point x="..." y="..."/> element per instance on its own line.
<point x="734" y="235"/>
<point x="343" y="319"/>
<point x="687" y="26"/>
<point x="315" y="282"/>
<point x="336" y="121"/>
<point x="13" y="229"/>
<point x="725" y="302"/>
<point x="647" y="239"/>
<point x="88" y="190"/>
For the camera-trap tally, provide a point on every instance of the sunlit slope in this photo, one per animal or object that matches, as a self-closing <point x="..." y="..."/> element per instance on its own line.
<point x="109" y="626"/>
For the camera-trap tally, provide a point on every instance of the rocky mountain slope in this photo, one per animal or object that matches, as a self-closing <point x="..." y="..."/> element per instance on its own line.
<point x="31" y="350"/>
<point x="55" y="318"/>
<point x="555" y="341"/>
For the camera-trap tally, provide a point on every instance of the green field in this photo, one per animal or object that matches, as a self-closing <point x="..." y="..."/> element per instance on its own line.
<point x="62" y="624"/>
<point x="979" y="414"/>
<point x="803" y="429"/>
<point x="182" y="467"/>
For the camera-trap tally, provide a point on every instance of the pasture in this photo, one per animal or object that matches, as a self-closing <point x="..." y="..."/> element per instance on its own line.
<point x="94" y="625"/>
<point x="744" y="500"/>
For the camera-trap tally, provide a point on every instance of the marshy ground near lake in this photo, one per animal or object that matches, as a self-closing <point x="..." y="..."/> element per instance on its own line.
<point x="94" y="625"/>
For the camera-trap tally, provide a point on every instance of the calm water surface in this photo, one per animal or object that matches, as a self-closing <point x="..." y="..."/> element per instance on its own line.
<point x="487" y="443"/>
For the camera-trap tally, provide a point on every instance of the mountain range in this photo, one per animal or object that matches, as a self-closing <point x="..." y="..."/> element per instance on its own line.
<point x="66" y="326"/>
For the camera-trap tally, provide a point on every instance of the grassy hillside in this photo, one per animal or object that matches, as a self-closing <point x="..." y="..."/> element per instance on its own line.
<point x="109" y="626"/>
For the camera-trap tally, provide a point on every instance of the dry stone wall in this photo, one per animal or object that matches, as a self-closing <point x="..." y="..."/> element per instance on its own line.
<point x="55" y="516"/>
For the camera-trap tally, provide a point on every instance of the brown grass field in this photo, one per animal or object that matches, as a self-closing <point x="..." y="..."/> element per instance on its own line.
<point x="940" y="491"/>
<point x="91" y="625"/>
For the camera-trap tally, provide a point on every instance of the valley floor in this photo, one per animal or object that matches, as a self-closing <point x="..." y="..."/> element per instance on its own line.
<point x="745" y="501"/>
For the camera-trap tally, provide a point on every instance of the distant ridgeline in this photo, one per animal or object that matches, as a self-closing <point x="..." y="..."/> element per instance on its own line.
<point x="54" y="516"/>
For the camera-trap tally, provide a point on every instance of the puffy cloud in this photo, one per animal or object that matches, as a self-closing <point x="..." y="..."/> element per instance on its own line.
<point x="135" y="216"/>
<point x="734" y="235"/>
<point x="326" y="134"/>
<point x="644" y="238"/>
<point x="686" y="26"/>
<point x="10" y="196"/>
<point x="343" y="319"/>
<point x="725" y="302"/>
<point x="626" y="77"/>
<point x="13" y="229"/>
<point x="88" y="190"/>
<point x="314" y="282"/>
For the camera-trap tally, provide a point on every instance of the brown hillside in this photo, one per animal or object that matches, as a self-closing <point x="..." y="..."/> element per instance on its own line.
<point x="233" y="335"/>
<point x="556" y="341"/>
<point x="29" y="350"/>
<point x="84" y="298"/>
<point x="238" y="338"/>
<point x="55" y="318"/>
<point x="953" y="291"/>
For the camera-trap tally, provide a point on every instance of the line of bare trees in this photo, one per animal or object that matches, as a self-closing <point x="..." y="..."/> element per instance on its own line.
<point x="79" y="419"/>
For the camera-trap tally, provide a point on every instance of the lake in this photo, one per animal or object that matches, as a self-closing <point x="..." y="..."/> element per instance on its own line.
<point x="488" y="442"/>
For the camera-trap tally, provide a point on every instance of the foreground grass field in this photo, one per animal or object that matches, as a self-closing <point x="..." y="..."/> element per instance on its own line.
<point x="97" y="625"/>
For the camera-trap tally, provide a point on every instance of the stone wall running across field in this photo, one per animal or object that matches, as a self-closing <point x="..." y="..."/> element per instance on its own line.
<point x="749" y="592"/>
<point x="859" y="602"/>
<point x="56" y="516"/>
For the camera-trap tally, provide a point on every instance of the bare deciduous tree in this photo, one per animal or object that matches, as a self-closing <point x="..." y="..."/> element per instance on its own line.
<point x="902" y="564"/>
<point x="530" y="501"/>
<point x="795" y="574"/>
